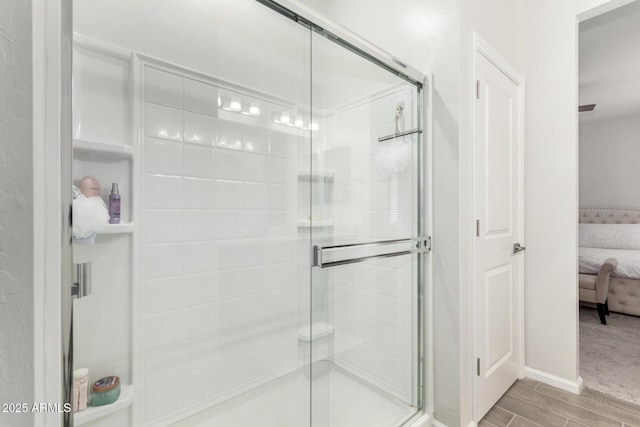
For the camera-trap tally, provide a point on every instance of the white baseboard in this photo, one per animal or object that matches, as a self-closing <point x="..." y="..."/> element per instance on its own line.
<point x="562" y="383"/>
<point x="437" y="423"/>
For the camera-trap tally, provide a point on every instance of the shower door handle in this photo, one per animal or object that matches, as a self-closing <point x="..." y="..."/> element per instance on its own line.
<point x="324" y="256"/>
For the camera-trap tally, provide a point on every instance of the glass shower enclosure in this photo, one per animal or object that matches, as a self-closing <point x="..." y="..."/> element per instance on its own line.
<point x="267" y="267"/>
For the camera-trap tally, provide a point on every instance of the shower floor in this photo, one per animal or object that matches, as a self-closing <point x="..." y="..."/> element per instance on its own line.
<point x="338" y="401"/>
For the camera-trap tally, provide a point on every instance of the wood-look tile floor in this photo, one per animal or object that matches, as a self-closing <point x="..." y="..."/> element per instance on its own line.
<point x="530" y="403"/>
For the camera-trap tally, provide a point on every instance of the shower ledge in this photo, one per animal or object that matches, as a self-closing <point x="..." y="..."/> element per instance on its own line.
<point x="307" y="175"/>
<point x="315" y="331"/>
<point x="93" y="413"/>
<point x="306" y="223"/>
<point x="123" y="228"/>
<point x="91" y="149"/>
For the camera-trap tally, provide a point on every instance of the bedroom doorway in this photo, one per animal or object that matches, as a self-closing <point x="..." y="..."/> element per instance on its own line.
<point x="609" y="229"/>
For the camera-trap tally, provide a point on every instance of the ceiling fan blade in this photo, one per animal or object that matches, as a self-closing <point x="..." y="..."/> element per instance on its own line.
<point x="588" y="107"/>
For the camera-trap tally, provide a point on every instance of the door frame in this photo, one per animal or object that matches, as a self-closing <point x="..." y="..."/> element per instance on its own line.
<point x="601" y="9"/>
<point x="51" y="44"/>
<point x="481" y="47"/>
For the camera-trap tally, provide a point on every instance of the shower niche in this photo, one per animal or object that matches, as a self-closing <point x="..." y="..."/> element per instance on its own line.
<point x="314" y="197"/>
<point x="250" y="273"/>
<point x="103" y="147"/>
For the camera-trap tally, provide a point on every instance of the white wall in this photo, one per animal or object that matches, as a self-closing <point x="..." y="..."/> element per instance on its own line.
<point x="499" y="23"/>
<point x="16" y="215"/>
<point x="609" y="155"/>
<point x="550" y="63"/>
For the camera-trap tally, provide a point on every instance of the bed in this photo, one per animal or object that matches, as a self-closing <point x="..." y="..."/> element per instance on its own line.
<point x="598" y="243"/>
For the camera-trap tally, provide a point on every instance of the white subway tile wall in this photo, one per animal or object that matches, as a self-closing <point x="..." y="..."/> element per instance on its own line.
<point x="224" y="294"/>
<point x="220" y="257"/>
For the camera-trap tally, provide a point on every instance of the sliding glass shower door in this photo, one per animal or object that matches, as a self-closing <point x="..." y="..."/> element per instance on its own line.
<point x="263" y="265"/>
<point x="365" y="224"/>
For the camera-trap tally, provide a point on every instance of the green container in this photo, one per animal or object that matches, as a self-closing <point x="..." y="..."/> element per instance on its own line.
<point x="105" y="391"/>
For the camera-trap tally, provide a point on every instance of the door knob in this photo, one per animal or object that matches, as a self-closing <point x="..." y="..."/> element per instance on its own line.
<point x="517" y="248"/>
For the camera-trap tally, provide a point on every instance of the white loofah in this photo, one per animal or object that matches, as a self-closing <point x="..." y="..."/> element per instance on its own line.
<point x="90" y="214"/>
<point x="394" y="156"/>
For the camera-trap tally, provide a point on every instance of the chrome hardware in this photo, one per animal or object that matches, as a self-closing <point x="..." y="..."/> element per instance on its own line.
<point x="81" y="286"/>
<point x="416" y="246"/>
<point x="316" y="258"/>
<point x="517" y="248"/>
<point x="399" y="134"/>
<point x="399" y="110"/>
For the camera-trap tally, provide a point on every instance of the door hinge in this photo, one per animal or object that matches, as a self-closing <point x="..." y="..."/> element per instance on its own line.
<point x="477" y="89"/>
<point x="478" y="366"/>
<point x="477" y="228"/>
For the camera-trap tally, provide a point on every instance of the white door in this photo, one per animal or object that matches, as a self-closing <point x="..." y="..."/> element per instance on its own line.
<point x="498" y="212"/>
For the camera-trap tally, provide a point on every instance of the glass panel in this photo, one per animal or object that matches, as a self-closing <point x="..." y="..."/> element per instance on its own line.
<point x="364" y="343"/>
<point x="365" y="193"/>
<point x="204" y="300"/>
<point x="198" y="111"/>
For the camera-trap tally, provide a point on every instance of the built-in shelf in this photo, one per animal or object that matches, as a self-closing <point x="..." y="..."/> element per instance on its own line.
<point x="315" y="176"/>
<point x="315" y="331"/>
<point x="102" y="149"/>
<point x="93" y="413"/>
<point x="305" y="223"/>
<point x="123" y="228"/>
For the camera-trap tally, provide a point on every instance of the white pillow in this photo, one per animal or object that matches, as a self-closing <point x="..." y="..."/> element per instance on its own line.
<point x="610" y="236"/>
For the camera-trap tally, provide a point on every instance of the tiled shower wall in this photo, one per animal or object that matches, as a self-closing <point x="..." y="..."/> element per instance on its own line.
<point x="220" y="288"/>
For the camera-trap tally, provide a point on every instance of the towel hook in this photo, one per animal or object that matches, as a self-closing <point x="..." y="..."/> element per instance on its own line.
<point x="399" y="109"/>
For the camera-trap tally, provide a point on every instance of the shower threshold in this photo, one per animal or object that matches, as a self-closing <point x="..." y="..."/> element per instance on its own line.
<point x="338" y="399"/>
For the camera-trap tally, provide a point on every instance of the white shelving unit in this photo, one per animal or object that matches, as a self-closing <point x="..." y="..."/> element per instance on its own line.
<point x="104" y="146"/>
<point x="93" y="413"/>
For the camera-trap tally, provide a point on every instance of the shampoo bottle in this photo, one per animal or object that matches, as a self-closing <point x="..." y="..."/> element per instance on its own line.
<point x="114" y="204"/>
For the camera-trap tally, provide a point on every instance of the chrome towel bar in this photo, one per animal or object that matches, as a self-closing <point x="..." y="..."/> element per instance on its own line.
<point x="399" y="134"/>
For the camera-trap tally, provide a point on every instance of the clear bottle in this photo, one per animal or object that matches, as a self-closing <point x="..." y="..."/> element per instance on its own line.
<point x="114" y="204"/>
<point x="80" y="389"/>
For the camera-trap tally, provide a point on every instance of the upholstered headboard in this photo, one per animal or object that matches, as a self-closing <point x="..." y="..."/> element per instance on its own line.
<point x="609" y="216"/>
